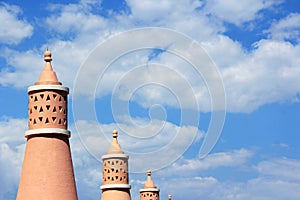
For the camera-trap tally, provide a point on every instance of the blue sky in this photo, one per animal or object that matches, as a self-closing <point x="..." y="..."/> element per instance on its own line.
<point x="254" y="45"/>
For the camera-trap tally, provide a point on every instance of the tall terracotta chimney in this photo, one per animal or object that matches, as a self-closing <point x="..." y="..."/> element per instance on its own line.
<point x="115" y="180"/>
<point x="149" y="191"/>
<point x="47" y="171"/>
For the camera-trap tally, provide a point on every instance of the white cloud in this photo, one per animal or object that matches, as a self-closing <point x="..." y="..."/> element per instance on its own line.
<point x="143" y="144"/>
<point x="280" y="168"/>
<point x="12" y="145"/>
<point x="75" y="18"/>
<point x="287" y="28"/>
<point x="277" y="179"/>
<point x="213" y="189"/>
<point x="149" y="11"/>
<point x="23" y="68"/>
<point x="193" y="166"/>
<point x="237" y="12"/>
<point x="13" y="29"/>
<point x="272" y="68"/>
<point x="273" y="65"/>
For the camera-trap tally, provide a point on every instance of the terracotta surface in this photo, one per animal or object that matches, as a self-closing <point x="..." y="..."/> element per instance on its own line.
<point x="47" y="171"/>
<point x="116" y="194"/>
<point x="115" y="147"/>
<point x="149" y="191"/>
<point x="149" y="182"/>
<point x="48" y="76"/>
<point x="47" y="109"/>
<point x="115" y="172"/>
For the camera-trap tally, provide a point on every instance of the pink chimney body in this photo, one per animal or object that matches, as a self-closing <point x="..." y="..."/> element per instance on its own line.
<point x="115" y="180"/>
<point x="47" y="171"/>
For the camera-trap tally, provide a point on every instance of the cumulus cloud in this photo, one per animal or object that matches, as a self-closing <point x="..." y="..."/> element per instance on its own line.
<point x="238" y="12"/>
<point x="241" y="70"/>
<point x="212" y="161"/>
<point x="22" y="68"/>
<point x="13" y="28"/>
<point x="213" y="189"/>
<point x="273" y="65"/>
<point x="286" y="28"/>
<point x="276" y="179"/>
<point x="165" y="139"/>
<point x="280" y="168"/>
<point x="11" y="154"/>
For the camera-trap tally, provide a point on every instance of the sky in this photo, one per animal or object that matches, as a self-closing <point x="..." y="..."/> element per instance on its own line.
<point x="204" y="93"/>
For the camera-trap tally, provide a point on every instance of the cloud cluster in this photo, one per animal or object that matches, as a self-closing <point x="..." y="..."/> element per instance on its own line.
<point x="280" y="183"/>
<point x="13" y="28"/>
<point x="11" y="154"/>
<point x="271" y="63"/>
<point x="286" y="28"/>
<point x="275" y="178"/>
<point x="237" y="12"/>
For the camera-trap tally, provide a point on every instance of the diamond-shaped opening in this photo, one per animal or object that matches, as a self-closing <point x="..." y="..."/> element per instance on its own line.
<point x="48" y="107"/>
<point x="48" y="98"/>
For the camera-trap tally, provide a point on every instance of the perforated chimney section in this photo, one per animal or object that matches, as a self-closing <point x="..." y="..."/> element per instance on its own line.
<point x="47" y="109"/>
<point x="115" y="171"/>
<point x="149" y="196"/>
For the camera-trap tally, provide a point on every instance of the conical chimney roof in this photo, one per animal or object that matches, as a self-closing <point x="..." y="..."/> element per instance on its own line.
<point x="149" y="182"/>
<point x="48" y="76"/>
<point x="115" y="147"/>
